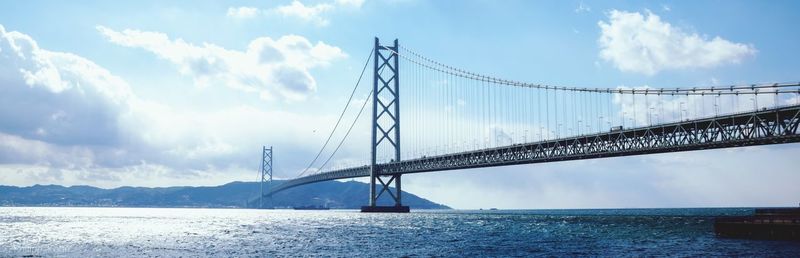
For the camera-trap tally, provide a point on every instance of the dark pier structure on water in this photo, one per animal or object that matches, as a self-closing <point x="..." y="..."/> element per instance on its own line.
<point x="777" y="223"/>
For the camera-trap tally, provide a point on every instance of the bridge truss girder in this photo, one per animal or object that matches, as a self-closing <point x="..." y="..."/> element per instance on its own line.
<point x="771" y="126"/>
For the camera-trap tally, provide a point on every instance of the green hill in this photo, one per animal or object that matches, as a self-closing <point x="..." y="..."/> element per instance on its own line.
<point x="332" y="194"/>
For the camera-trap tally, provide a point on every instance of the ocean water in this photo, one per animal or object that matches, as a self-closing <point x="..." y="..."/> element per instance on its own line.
<point x="108" y="232"/>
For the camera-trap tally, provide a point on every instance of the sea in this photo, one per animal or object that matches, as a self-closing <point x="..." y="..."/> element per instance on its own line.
<point x="168" y="232"/>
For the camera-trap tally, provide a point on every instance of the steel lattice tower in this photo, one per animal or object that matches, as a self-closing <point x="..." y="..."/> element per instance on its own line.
<point x="385" y="125"/>
<point x="266" y="172"/>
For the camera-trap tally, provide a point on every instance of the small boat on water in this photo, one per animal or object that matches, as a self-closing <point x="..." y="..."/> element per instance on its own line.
<point x="776" y="223"/>
<point x="311" y="207"/>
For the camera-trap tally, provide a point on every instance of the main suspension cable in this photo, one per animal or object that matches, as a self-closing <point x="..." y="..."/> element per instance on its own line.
<point x="723" y="90"/>
<point x="358" y="82"/>
<point x="348" y="130"/>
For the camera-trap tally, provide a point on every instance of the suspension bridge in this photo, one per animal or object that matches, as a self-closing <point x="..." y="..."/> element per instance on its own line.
<point x="456" y="119"/>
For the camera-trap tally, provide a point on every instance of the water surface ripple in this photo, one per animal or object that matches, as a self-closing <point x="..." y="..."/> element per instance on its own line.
<point x="236" y="232"/>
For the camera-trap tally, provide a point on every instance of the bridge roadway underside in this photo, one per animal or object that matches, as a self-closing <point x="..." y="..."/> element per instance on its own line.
<point x="768" y="126"/>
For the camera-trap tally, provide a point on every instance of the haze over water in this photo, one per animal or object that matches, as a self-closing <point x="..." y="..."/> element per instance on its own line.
<point x="237" y="232"/>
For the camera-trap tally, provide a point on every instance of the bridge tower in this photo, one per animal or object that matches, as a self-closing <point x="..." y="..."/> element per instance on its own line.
<point x="385" y="126"/>
<point x="266" y="173"/>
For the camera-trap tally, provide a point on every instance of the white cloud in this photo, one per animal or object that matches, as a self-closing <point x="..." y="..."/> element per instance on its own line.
<point x="66" y="120"/>
<point x="582" y="8"/>
<point x="310" y="13"/>
<point x="350" y="3"/>
<point x="643" y="43"/>
<point x="242" y="12"/>
<point x="269" y="67"/>
<point x="314" y="13"/>
<point x="31" y="81"/>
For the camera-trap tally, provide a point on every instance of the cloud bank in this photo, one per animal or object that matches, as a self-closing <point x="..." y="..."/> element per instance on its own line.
<point x="243" y="12"/>
<point x="67" y="120"/>
<point x="643" y="43"/>
<point x="310" y="13"/>
<point x="271" y="67"/>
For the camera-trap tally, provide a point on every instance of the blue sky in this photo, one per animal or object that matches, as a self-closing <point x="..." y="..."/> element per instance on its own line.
<point x="152" y="93"/>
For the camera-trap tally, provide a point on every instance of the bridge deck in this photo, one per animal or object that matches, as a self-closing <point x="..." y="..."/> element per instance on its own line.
<point x="769" y="126"/>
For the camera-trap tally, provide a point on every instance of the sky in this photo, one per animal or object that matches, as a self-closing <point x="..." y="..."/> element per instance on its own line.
<point x="154" y="93"/>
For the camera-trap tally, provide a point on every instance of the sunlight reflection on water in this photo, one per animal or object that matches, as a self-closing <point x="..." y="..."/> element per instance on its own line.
<point x="239" y="232"/>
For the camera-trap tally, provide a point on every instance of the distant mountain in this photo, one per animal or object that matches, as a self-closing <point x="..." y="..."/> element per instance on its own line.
<point x="332" y="194"/>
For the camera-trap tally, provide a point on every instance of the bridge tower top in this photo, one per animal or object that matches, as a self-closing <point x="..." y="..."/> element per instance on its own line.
<point x="386" y="102"/>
